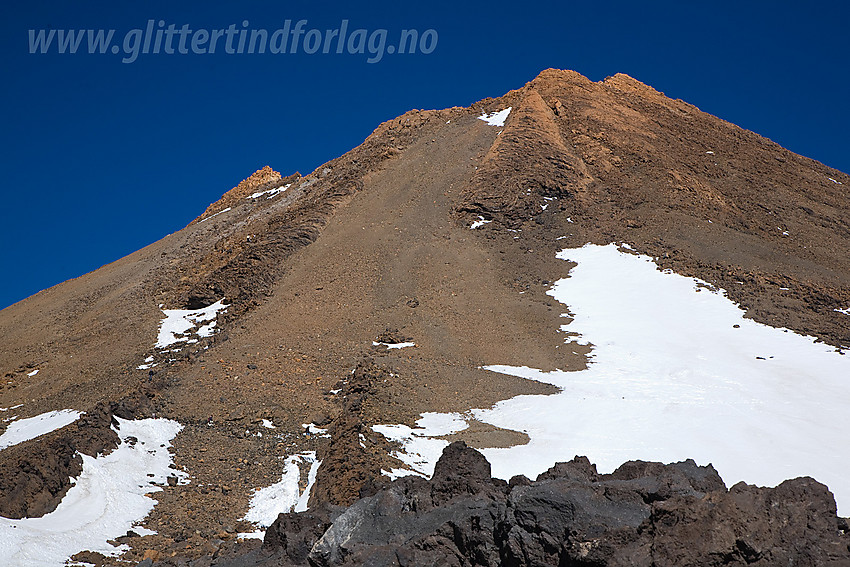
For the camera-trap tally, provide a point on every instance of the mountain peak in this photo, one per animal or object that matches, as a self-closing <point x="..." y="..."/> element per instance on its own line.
<point x="559" y="76"/>
<point x="625" y="83"/>
<point x="263" y="175"/>
<point x="557" y="81"/>
<point x="305" y="329"/>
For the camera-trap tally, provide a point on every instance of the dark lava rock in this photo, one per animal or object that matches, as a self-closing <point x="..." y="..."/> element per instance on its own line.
<point x="92" y="557"/>
<point x="643" y="514"/>
<point x="295" y="535"/>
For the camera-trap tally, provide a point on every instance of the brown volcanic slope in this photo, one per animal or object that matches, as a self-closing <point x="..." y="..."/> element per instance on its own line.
<point x="378" y="240"/>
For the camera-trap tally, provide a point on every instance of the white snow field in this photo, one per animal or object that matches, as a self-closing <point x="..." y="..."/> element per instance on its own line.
<point x="32" y="427"/>
<point x="178" y="324"/>
<point x="677" y="372"/>
<point x="283" y="496"/>
<point x="108" y="498"/>
<point x="496" y="118"/>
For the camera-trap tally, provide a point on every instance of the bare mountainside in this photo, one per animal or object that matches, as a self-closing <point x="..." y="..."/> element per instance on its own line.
<point x="308" y="278"/>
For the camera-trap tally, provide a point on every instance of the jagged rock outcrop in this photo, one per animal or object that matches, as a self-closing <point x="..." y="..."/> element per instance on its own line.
<point x="643" y="514"/>
<point x="263" y="179"/>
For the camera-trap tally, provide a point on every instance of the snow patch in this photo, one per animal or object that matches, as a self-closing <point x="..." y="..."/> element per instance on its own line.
<point x="178" y="323"/>
<point x="33" y="373"/>
<point x="676" y="372"/>
<point x="496" y="118"/>
<point x="479" y="223"/>
<point x="205" y="331"/>
<point x="304" y="499"/>
<point x="108" y="498"/>
<point x="143" y="531"/>
<point x="313" y="429"/>
<point x="32" y="427"/>
<point x="283" y="496"/>
<point x="420" y="450"/>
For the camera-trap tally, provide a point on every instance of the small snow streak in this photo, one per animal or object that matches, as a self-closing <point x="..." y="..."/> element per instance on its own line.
<point x="285" y="495"/>
<point x="314" y="429"/>
<point x="479" y="223"/>
<point x="269" y="192"/>
<point x="215" y="215"/>
<point x="391" y="346"/>
<point x="496" y="118"/>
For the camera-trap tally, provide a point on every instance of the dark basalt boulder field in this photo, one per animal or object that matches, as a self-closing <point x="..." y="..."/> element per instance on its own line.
<point x="642" y="514"/>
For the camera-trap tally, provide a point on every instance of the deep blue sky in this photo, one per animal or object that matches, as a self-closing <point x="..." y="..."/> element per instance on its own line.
<point x="100" y="158"/>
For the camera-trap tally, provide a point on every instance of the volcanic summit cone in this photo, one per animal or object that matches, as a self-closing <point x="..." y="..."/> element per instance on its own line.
<point x="308" y="279"/>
